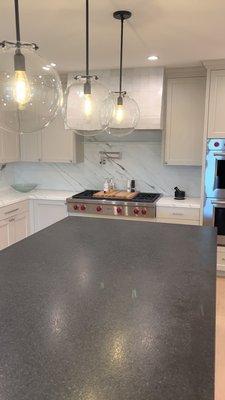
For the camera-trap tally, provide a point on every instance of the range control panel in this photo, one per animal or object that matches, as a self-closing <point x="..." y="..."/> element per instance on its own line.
<point x="108" y="209"/>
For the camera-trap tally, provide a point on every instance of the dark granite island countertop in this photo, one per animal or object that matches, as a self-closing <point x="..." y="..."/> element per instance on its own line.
<point x="94" y="309"/>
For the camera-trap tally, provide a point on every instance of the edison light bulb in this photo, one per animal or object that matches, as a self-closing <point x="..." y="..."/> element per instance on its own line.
<point x="119" y="113"/>
<point x="87" y="105"/>
<point x="21" y="91"/>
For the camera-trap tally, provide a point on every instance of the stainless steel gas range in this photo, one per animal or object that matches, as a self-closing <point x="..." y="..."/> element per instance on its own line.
<point x="142" y="206"/>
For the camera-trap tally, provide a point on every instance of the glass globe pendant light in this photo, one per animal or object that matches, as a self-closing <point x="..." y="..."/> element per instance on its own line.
<point x="120" y="113"/>
<point x="30" y="88"/>
<point x="84" y="98"/>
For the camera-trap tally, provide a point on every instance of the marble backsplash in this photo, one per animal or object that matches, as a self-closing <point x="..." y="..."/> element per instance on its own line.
<point x="141" y="161"/>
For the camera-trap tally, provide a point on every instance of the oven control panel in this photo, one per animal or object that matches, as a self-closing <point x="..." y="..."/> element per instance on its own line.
<point x="216" y="144"/>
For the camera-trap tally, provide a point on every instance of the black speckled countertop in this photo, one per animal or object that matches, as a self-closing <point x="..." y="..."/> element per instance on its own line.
<point x="97" y="309"/>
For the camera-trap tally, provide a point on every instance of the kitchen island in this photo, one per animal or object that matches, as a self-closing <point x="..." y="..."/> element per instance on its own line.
<point x="95" y="309"/>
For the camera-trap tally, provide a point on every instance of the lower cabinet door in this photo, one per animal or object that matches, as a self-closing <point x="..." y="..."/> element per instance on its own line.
<point x="21" y="226"/>
<point x="47" y="212"/>
<point x="13" y="229"/>
<point x="4" y="233"/>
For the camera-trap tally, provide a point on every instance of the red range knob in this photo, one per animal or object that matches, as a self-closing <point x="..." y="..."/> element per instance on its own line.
<point x="144" y="211"/>
<point x="99" y="208"/>
<point x="83" y="207"/>
<point x="119" y="210"/>
<point x="76" y="207"/>
<point x="136" y="211"/>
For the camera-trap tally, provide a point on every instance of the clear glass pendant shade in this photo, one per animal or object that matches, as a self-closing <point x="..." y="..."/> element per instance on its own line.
<point x="30" y="89"/>
<point x="119" y="119"/>
<point x="83" y="103"/>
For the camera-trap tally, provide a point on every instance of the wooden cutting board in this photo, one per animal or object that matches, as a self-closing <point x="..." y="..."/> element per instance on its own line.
<point x="116" y="194"/>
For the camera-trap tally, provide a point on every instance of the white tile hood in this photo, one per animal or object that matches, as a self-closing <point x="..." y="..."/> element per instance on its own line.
<point x="145" y="85"/>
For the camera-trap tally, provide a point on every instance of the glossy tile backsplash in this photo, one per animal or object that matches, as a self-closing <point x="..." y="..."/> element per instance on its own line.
<point x="141" y="161"/>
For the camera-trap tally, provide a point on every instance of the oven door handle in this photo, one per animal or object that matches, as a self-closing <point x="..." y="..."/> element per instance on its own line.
<point x="218" y="202"/>
<point x="219" y="154"/>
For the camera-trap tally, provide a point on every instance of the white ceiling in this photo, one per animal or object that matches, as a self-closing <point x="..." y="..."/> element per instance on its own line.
<point x="181" y="32"/>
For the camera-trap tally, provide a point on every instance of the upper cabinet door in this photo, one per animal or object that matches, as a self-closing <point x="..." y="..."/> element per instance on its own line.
<point x="216" y="116"/>
<point x="185" y="121"/>
<point x="30" y="146"/>
<point x="61" y="145"/>
<point x="9" y="147"/>
<point x="57" y="142"/>
<point x="53" y="144"/>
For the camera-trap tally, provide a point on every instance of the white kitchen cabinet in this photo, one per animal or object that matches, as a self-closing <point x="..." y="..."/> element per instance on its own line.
<point x="221" y="258"/>
<point x="21" y="226"/>
<point x="172" y="211"/>
<point x="61" y="145"/>
<point x="145" y="85"/>
<point x="53" y="144"/>
<point x="178" y="213"/>
<point x="14" y="223"/>
<point x="30" y="146"/>
<point x="216" y="114"/>
<point x="9" y="147"/>
<point x="47" y="212"/>
<point x="185" y="120"/>
<point x="4" y="233"/>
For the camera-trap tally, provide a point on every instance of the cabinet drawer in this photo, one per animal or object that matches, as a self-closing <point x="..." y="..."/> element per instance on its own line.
<point x="13" y="209"/>
<point x="178" y="221"/>
<point x="220" y="256"/>
<point x="178" y="213"/>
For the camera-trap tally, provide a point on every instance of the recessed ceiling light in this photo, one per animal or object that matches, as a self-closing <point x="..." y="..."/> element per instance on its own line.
<point x="53" y="64"/>
<point x="153" y="58"/>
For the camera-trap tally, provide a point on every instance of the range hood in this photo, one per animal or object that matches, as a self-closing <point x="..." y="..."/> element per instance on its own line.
<point x="145" y="85"/>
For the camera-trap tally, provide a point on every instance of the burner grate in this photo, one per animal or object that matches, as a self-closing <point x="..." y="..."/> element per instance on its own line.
<point x="141" y="197"/>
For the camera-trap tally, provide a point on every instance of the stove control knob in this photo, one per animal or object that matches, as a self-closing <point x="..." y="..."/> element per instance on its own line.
<point x="136" y="211"/>
<point x="83" y="207"/>
<point x="98" y="208"/>
<point x="119" y="210"/>
<point x="144" y="211"/>
<point x="76" y="207"/>
<point x="216" y="144"/>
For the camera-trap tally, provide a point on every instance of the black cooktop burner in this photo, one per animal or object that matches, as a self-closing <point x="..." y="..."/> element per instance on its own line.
<point x="141" y="197"/>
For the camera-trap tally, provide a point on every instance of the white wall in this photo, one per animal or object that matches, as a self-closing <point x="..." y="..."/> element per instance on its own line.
<point x="140" y="160"/>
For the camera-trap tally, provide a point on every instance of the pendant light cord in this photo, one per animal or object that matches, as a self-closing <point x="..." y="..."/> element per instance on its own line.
<point x="87" y="37"/>
<point x="121" y="56"/>
<point x="17" y="20"/>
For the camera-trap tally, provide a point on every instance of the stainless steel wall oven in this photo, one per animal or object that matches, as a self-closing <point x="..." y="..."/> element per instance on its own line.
<point x="214" y="205"/>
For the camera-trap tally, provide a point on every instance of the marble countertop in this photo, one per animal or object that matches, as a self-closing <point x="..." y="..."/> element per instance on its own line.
<point x="10" y="196"/>
<point x="88" y="314"/>
<point x="189" y="202"/>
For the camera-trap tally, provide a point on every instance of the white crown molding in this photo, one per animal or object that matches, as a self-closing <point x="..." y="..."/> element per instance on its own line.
<point x="214" y="64"/>
<point x="185" y="72"/>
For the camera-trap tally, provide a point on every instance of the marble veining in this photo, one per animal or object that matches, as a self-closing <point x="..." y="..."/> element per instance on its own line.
<point x="142" y="161"/>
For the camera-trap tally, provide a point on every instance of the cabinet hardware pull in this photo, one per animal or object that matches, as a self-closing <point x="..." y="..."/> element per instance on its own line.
<point x="174" y="213"/>
<point x="9" y="212"/>
<point x="218" y="202"/>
